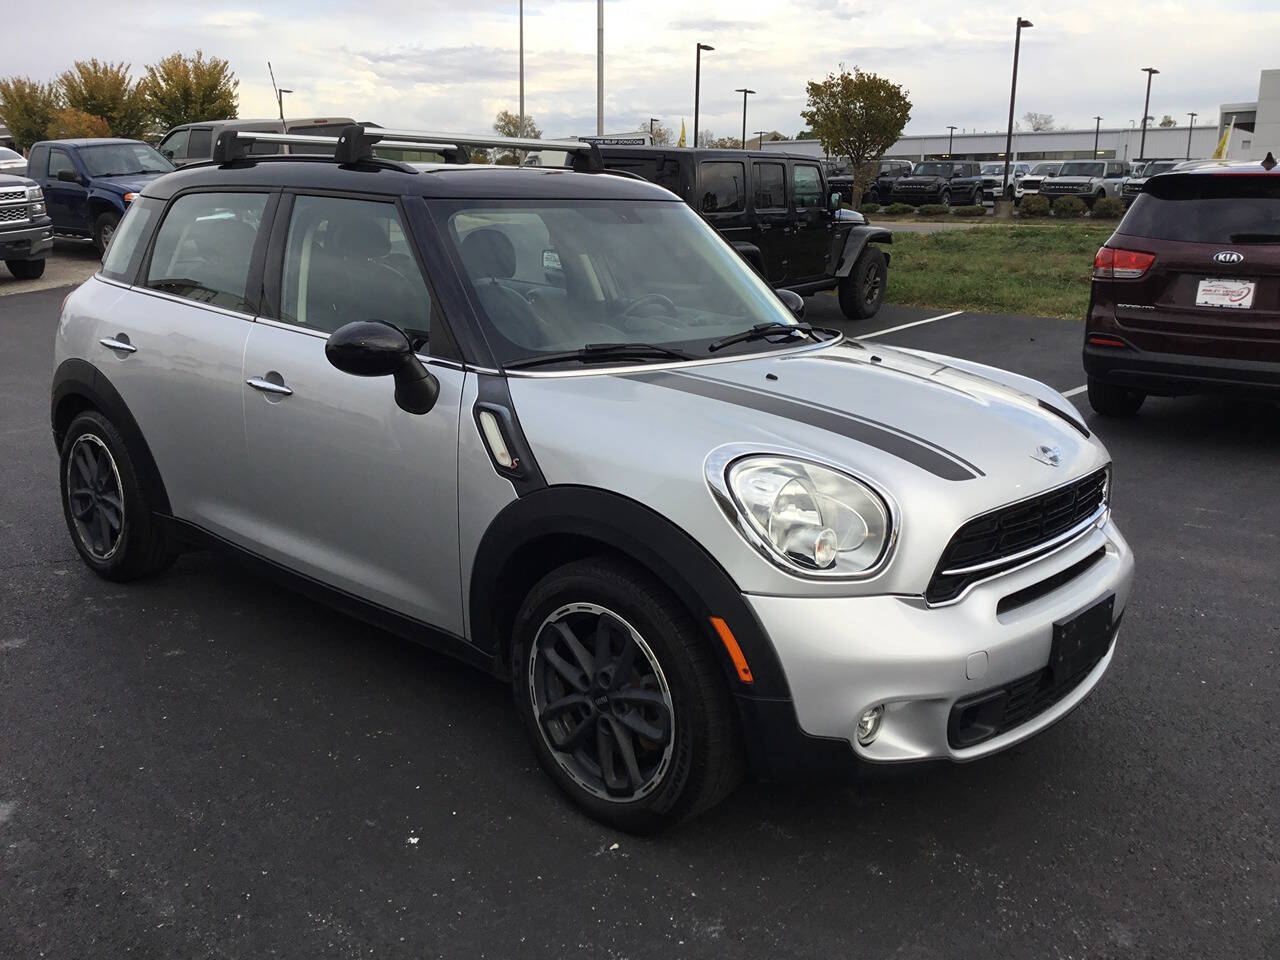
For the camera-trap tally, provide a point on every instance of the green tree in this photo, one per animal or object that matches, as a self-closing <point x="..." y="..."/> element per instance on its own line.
<point x="181" y="89"/>
<point x="1168" y="121"/>
<point x="480" y="155"/>
<point x="857" y="115"/>
<point x="70" y="124"/>
<point x="508" y="124"/>
<point x="28" y="108"/>
<point x="105" y="90"/>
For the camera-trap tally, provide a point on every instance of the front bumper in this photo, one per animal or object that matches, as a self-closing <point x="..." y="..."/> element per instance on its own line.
<point x="29" y="242"/>
<point x="842" y="656"/>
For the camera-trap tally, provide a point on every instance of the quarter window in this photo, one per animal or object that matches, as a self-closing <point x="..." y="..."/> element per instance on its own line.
<point x="350" y="260"/>
<point x="204" y="248"/>
<point x="771" y="186"/>
<point x="129" y="241"/>
<point x="724" y="188"/>
<point x="806" y="184"/>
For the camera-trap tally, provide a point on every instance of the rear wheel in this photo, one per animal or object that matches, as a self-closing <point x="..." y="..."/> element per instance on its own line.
<point x="104" y="228"/>
<point x="622" y="697"/>
<point x="26" y="269"/>
<point x="946" y="198"/>
<point x="862" y="292"/>
<point x="1114" y="401"/>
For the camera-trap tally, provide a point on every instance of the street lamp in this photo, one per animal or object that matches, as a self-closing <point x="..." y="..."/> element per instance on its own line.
<point x="1097" y="128"/>
<point x="1142" y="144"/>
<point x="599" y="68"/>
<point x="697" y="86"/>
<point x="522" y="68"/>
<point x="760" y="139"/>
<point x="951" y="132"/>
<point x="744" y="91"/>
<point x="652" y="121"/>
<point x="280" y="100"/>
<point x="1013" y="92"/>
<point x="1193" y="116"/>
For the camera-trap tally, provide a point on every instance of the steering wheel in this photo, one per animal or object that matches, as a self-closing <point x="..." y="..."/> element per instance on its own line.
<point x="629" y="314"/>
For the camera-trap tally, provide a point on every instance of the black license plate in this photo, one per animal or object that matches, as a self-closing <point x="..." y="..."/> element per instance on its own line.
<point x="1079" y="643"/>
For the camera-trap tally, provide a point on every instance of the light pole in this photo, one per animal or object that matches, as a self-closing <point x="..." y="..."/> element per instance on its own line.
<point x="1013" y="92"/>
<point x="760" y="139"/>
<point x="697" y="86"/>
<point x="744" y="91"/>
<point x="652" y="121"/>
<point x="280" y="100"/>
<point x="599" y="68"/>
<point x="1097" y="128"/>
<point x="1193" y="116"/>
<point x="951" y="132"/>
<point x="1142" y="144"/>
<point x="522" y="68"/>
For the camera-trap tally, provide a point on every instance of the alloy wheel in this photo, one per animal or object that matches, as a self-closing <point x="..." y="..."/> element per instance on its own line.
<point x="94" y="496"/>
<point x="601" y="702"/>
<point x="871" y="285"/>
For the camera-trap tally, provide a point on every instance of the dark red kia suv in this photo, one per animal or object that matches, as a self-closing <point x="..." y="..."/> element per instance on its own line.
<point x="1186" y="293"/>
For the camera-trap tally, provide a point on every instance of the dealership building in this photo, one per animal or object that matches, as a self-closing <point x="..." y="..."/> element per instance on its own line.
<point x="1257" y="131"/>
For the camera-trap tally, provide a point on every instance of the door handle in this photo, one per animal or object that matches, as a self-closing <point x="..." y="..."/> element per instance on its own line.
<point x="267" y="386"/>
<point x="119" y="342"/>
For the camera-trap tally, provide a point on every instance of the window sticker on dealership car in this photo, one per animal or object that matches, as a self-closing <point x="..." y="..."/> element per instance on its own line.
<point x="1237" y="294"/>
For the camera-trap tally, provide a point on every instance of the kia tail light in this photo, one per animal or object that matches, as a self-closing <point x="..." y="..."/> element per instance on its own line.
<point x="1113" y="264"/>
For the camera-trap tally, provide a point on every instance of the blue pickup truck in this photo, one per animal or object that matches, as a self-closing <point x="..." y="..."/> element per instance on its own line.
<point x="88" y="184"/>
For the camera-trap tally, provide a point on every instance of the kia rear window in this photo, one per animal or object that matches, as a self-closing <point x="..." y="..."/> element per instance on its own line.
<point x="1211" y="208"/>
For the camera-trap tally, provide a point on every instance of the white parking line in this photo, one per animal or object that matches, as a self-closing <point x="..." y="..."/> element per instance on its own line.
<point x="904" y="326"/>
<point x="1074" y="391"/>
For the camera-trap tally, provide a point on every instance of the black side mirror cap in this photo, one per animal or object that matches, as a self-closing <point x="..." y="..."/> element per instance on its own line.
<point x="792" y="301"/>
<point x="68" y="176"/>
<point x="374" y="348"/>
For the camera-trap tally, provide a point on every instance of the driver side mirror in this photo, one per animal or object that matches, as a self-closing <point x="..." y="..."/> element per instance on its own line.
<point x="374" y="348"/>
<point x="834" y="201"/>
<point x="68" y="176"/>
<point x="792" y="301"/>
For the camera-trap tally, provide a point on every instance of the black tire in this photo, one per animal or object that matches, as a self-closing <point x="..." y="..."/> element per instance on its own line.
<point x="110" y="521"/>
<point x="871" y="196"/>
<point x="862" y="292"/>
<point x="104" y="229"/>
<point x="26" y="269"/>
<point x="946" y="198"/>
<point x="1110" y="400"/>
<point x="700" y="760"/>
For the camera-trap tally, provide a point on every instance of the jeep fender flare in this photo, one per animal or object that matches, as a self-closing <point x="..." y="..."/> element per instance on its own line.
<point x="856" y="242"/>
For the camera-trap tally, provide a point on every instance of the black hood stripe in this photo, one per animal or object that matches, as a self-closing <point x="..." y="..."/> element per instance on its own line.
<point x="911" y="449"/>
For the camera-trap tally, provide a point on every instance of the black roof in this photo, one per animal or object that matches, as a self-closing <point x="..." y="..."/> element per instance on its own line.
<point x="477" y="181"/>
<point x="83" y="142"/>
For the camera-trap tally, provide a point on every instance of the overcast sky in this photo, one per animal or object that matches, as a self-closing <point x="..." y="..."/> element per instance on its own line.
<point x="452" y="65"/>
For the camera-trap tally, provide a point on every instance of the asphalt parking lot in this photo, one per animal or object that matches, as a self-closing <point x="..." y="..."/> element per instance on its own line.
<point x="205" y="766"/>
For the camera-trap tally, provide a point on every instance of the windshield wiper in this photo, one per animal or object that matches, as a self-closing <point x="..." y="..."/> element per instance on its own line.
<point x="125" y="173"/>
<point x="761" y="331"/>
<point x="604" y="351"/>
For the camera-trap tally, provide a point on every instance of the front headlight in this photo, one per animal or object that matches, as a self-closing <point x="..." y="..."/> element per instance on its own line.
<point x="34" y="193"/>
<point x="808" y="518"/>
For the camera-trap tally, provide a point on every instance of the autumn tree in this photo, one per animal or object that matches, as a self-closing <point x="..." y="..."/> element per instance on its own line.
<point x="1168" y="121"/>
<point x="508" y="124"/>
<point x="72" y="124"/>
<point x="479" y="155"/>
<point x="181" y="89"/>
<point x="857" y="115"/>
<point x="1038" y="122"/>
<point x="28" y="108"/>
<point x="662" y="135"/>
<point x="105" y="90"/>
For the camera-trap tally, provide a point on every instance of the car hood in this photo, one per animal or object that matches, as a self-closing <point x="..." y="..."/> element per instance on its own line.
<point x="11" y="180"/>
<point x="122" y="185"/>
<point x="1073" y="181"/>
<point x="928" y="181"/>
<point x="945" y="439"/>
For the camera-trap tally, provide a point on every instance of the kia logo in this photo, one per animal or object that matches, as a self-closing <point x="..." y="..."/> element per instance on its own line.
<point x="1228" y="256"/>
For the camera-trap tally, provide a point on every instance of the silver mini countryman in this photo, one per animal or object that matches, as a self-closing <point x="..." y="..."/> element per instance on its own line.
<point x="549" y="421"/>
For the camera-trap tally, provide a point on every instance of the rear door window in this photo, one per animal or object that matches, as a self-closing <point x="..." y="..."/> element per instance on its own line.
<point x="771" y="186"/>
<point x="204" y="249"/>
<point x="724" y="187"/>
<point x="1207" y="209"/>
<point x="806" y="184"/>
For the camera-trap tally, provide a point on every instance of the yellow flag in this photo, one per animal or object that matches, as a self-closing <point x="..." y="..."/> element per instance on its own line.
<point x="680" y="142"/>
<point x="1221" y="152"/>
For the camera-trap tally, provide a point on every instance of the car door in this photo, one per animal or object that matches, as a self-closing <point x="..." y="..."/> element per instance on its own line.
<point x="67" y="201"/>
<point x="811" y="231"/>
<point x="349" y="489"/>
<point x="722" y="198"/>
<point x="174" y="342"/>
<point x="772" y="217"/>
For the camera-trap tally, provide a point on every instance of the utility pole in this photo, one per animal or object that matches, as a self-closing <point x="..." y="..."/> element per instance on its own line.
<point x="744" y="91"/>
<point x="1146" y="106"/>
<point x="1013" y="93"/>
<point x="599" y="68"/>
<point x="951" y="132"/>
<point x="697" y="86"/>
<point x="652" y="121"/>
<point x="279" y="92"/>
<point x="1097" y="128"/>
<point x="522" y="68"/>
<point x="760" y="139"/>
<point x="1193" y="116"/>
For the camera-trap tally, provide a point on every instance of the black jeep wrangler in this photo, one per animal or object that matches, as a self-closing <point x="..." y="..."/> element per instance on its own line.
<point x="779" y="212"/>
<point x="878" y="190"/>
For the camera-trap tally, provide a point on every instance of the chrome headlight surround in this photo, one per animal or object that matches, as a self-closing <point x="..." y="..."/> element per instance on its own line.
<point x="727" y="467"/>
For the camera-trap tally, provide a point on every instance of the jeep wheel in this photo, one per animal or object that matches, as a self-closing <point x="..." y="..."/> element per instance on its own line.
<point x="1110" y="400"/>
<point x="622" y="697"/>
<point x="26" y="269"/>
<point x="104" y="228"/>
<point x="946" y="198"/>
<point x="862" y="292"/>
<point x="106" y="507"/>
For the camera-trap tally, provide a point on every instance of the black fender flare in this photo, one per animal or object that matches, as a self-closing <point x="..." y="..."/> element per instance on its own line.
<point x="78" y="385"/>
<point x="855" y="242"/>
<point x="512" y="552"/>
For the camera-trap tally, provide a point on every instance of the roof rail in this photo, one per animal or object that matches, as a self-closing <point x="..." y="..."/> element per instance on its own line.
<point x="356" y="142"/>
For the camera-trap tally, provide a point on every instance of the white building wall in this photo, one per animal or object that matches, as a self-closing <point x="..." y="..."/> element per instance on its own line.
<point x="1266" y="129"/>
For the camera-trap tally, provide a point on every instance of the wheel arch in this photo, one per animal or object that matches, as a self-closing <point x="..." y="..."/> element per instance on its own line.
<point x="79" y="386"/>
<point x="101" y="202"/>
<point x="541" y="531"/>
<point x="856" y="242"/>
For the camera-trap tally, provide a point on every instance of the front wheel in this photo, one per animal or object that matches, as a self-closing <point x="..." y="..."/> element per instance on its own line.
<point x="862" y="292"/>
<point x="622" y="697"/>
<point x="946" y="198"/>
<point x="1112" y="401"/>
<point x="26" y="269"/>
<point x="104" y="228"/>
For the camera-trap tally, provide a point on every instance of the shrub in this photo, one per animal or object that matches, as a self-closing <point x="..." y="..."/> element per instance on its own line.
<point x="934" y="210"/>
<point x="1068" y="208"/>
<point x="1034" y="205"/>
<point x="899" y="209"/>
<point x="869" y="208"/>
<point x="71" y="124"/>
<point x="974" y="210"/>
<point x="1108" y="208"/>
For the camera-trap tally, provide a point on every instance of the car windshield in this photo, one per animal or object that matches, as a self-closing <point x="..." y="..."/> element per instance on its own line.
<point x="1160" y="166"/>
<point x="994" y="168"/>
<point x="1082" y="169"/>
<point x="932" y="170"/>
<point x="120" y="159"/>
<point x="1045" y="169"/>
<point x="549" y="277"/>
<point x="1207" y="208"/>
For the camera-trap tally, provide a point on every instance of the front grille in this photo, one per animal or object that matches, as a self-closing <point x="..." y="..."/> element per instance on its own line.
<point x="1011" y="531"/>
<point x="8" y="196"/>
<point x="1133" y="188"/>
<point x="12" y="214"/>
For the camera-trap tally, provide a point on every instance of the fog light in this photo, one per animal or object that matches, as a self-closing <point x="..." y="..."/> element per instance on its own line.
<point x="869" y="725"/>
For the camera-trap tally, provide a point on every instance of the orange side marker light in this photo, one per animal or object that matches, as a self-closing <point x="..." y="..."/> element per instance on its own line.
<point x="735" y="651"/>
